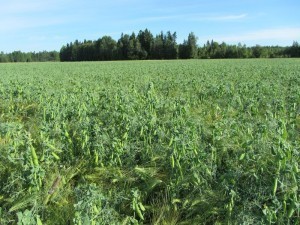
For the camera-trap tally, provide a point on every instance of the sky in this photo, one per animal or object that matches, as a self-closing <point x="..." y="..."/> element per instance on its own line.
<point x="37" y="25"/>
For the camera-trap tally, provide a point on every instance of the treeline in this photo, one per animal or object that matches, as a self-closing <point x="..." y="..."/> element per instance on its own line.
<point x="145" y="45"/>
<point x="214" y="50"/>
<point x="18" y="56"/>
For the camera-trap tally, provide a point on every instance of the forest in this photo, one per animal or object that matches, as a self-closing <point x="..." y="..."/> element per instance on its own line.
<point x="18" y="56"/>
<point x="145" y="45"/>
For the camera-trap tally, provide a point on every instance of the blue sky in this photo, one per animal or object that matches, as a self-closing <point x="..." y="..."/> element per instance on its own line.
<point x="36" y="25"/>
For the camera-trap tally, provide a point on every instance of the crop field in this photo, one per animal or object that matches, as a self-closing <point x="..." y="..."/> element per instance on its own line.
<point x="150" y="142"/>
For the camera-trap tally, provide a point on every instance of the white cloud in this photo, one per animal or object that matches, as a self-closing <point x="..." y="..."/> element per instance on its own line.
<point x="37" y="38"/>
<point x="11" y="7"/>
<point x="283" y="34"/>
<point x="30" y="6"/>
<point x="17" y="15"/>
<point x="12" y="24"/>
<point x="155" y="18"/>
<point x="225" y="18"/>
<point x="190" y="17"/>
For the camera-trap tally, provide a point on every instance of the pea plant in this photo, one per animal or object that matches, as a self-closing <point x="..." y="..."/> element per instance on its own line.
<point x="150" y="142"/>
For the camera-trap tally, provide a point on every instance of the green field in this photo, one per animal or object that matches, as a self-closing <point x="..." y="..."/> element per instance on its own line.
<point x="150" y="142"/>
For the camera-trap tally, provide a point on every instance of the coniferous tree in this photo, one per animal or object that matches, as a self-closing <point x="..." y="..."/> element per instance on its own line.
<point x="146" y="40"/>
<point x="192" y="45"/>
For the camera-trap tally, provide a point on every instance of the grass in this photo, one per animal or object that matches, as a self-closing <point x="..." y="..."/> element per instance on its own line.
<point x="150" y="142"/>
